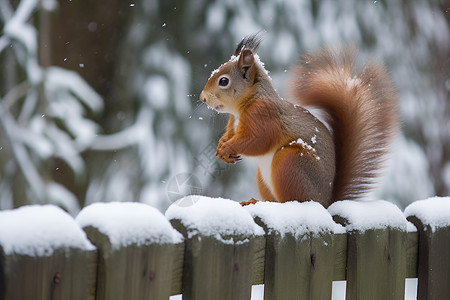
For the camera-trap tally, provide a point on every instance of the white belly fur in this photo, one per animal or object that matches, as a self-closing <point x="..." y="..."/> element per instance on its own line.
<point x="264" y="162"/>
<point x="265" y="167"/>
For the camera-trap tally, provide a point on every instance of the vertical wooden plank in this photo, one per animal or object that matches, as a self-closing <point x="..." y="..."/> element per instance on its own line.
<point x="340" y="256"/>
<point x="177" y="269"/>
<point x="433" y="260"/>
<point x="376" y="264"/>
<point x="376" y="248"/>
<point x="299" y="254"/>
<point x="216" y="268"/>
<point x="412" y="249"/>
<point x="2" y="275"/>
<point x="44" y="255"/>
<point x="321" y="265"/>
<point x="284" y="261"/>
<point x="74" y="274"/>
<point x="299" y="267"/>
<point x="65" y="274"/>
<point x="259" y="258"/>
<point x="132" y="271"/>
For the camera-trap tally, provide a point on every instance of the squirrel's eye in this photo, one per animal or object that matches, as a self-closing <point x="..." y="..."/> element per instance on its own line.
<point x="223" y="81"/>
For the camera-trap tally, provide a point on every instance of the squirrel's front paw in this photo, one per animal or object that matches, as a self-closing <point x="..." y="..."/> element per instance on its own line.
<point x="222" y="141"/>
<point x="225" y="153"/>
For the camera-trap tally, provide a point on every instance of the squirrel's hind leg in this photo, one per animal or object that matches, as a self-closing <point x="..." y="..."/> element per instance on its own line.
<point x="264" y="191"/>
<point x="293" y="173"/>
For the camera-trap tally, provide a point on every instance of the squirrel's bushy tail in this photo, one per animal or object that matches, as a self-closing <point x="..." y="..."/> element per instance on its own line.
<point x="360" y="109"/>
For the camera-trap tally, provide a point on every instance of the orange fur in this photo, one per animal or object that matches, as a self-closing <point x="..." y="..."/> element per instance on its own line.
<point x="251" y="138"/>
<point x="264" y="191"/>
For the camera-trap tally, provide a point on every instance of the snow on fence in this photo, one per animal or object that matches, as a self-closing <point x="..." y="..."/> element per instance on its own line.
<point x="208" y="248"/>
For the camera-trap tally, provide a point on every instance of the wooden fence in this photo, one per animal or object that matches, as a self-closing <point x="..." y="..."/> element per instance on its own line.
<point x="374" y="261"/>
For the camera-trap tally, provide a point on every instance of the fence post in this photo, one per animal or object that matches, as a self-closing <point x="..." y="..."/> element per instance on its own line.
<point x="259" y="259"/>
<point x="136" y="247"/>
<point x="412" y="247"/>
<point x="44" y="255"/>
<point x="299" y="250"/>
<point x="177" y="268"/>
<point x="340" y="254"/>
<point x="432" y="219"/>
<point x="219" y="237"/>
<point x="376" y="240"/>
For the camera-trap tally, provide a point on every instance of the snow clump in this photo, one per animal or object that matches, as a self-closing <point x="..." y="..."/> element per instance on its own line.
<point x="127" y="223"/>
<point x="39" y="230"/>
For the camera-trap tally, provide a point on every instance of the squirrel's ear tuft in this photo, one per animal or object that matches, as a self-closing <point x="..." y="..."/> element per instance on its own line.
<point x="250" y="42"/>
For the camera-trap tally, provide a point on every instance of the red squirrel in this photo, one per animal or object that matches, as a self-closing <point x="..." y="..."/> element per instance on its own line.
<point x="300" y="158"/>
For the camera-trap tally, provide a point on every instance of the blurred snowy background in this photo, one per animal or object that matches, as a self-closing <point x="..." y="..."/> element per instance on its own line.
<point x="99" y="99"/>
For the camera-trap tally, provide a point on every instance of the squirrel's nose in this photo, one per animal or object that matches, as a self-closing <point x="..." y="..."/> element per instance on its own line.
<point x="203" y="96"/>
